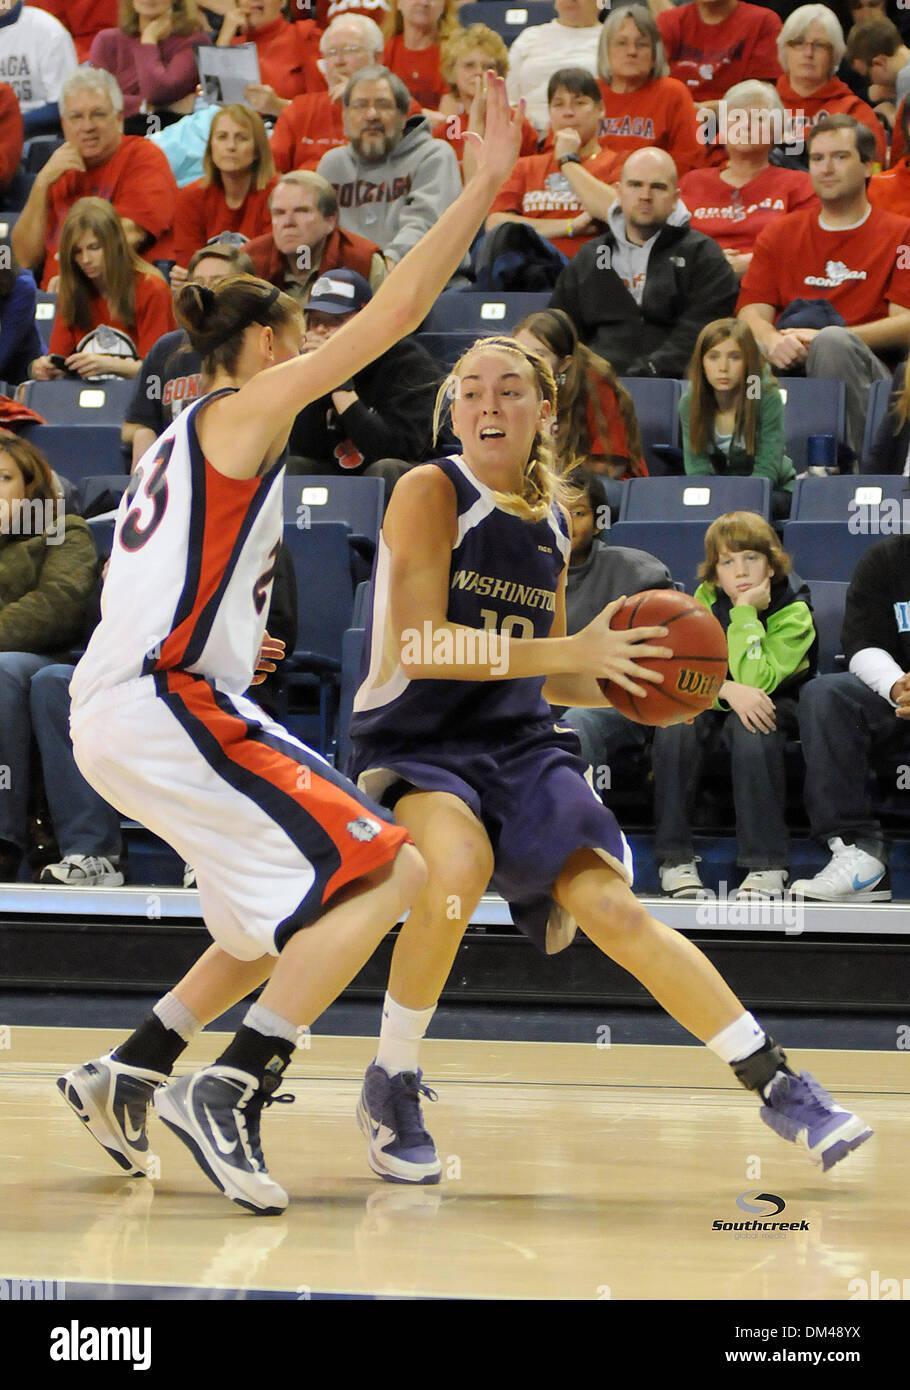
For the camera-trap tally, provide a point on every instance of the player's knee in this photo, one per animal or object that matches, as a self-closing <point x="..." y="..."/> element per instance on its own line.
<point x="460" y="869"/>
<point x="617" y="916"/>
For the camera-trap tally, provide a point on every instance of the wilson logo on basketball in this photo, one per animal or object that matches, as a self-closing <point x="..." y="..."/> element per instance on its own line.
<point x="698" y="683"/>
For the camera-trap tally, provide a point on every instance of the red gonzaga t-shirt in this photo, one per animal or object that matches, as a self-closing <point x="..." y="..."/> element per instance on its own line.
<point x="615" y="442"/>
<point x="537" y="187"/>
<point x="891" y="190"/>
<point x="202" y="213"/>
<point x="418" y="69"/>
<point x="833" y="98"/>
<point x="452" y="129"/>
<point x="83" y="18"/>
<point x="711" y="58"/>
<point x="154" y="317"/>
<point x="137" y="179"/>
<point x="735" y="216"/>
<point x="859" y="269"/>
<point x="288" y="54"/>
<point x="660" y="113"/>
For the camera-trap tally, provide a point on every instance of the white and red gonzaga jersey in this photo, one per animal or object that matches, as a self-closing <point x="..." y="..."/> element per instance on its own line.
<point x="191" y="569"/>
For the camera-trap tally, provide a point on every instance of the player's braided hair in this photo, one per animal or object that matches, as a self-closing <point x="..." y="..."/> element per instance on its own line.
<point x="543" y="481"/>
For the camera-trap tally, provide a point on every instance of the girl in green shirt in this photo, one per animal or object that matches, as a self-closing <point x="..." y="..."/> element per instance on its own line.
<point x="732" y="416"/>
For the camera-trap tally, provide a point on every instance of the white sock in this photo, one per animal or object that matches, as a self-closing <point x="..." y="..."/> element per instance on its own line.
<point x="177" y="1017"/>
<point x="269" y="1024"/>
<point x="400" y="1036"/>
<point x="738" y="1040"/>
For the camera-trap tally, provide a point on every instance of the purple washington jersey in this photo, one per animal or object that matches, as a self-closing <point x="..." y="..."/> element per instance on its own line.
<point x="503" y="578"/>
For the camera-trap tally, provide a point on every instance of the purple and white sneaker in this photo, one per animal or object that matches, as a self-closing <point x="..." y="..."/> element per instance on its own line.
<point x="389" y="1114"/>
<point x="799" y="1109"/>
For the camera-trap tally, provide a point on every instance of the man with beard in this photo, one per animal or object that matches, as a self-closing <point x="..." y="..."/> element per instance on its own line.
<point x="393" y="180"/>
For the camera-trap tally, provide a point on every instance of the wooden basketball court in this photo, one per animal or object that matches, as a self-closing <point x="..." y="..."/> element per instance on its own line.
<point x="571" y="1171"/>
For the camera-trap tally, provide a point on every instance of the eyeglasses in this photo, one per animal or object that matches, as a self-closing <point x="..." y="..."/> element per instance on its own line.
<point x="345" y="48"/>
<point x="814" y="45"/>
<point x="381" y="104"/>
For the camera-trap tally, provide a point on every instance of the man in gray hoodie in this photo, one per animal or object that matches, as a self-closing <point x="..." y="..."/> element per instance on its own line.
<point x="393" y="179"/>
<point x="641" y="293"/>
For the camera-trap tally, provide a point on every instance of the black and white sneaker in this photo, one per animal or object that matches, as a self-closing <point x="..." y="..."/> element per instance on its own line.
<point x="112" y="1100"/>
<point x="83" y="871"/>
<point x="216" y="1113"/>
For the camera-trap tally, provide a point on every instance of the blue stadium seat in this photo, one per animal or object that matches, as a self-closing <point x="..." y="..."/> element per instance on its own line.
<point x="824" y="549"/>
<point x="828" y="598"/>
<point x="812" y="405"/>
<point x="693" y="499"/>
<point x="840" y="496"/>
<point x="359" y="502"/>
<point x="8" y="219"/>
<point x="481" y="313"/>
<point x="102" y="529"/>
<point x="656" y="401"/>
<point x="506" y="19"/>
<point x="38" y="150"/>
<point x="680" y="544"/>
<point x="45" y="312"/>
<point x="78" y="451"/>
<point x="351" y="653"/>
<point x="446" y="348"/>
<point x="97" y="491"/>
<point x="321" y="555"/>
<point x="80" y="402"/>
<point x="877" y="408"/>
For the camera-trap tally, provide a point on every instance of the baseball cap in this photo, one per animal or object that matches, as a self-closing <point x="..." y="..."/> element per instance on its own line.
<point x="340" y="292"/>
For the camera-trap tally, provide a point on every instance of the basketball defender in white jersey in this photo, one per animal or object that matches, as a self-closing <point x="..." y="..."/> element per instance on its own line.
<point x="280" y="841"/>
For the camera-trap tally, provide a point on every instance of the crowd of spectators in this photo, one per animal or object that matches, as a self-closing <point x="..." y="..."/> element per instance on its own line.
<point x="714" y="191"/>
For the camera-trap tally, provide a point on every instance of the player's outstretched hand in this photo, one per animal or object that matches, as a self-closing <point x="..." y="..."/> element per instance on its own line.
<point x="496" y="152"/>
<point x="610" y="654"/>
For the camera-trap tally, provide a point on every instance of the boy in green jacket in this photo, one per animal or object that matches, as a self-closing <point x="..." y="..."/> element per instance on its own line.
<point x="772" y="649"/>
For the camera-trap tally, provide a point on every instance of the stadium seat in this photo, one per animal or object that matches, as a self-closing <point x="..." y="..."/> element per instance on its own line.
<point x="693" y="499"/>
<point x="680" y="544"/>
<point x="812" y="405"/>
<point x="481" y="313"/>
<point x="45" y="312"/>
<point x="824" y="549"/>
<point x="80" y="402"/>
<point x="356" y="501"/>
<point x="842" y="496"/>
<point x="38" y="150"/>
<point x="879" y="396"/>
<point x="8" y="220"/>
<point x="102" y="529"/>
<point x="828" y="598"/>
<point x="321" y="556"/>
<point x="446" y="348"/>
<point x="103" y="492"/>
<point x="506" y="19"/>
<point x="78" y="451"/>
<point x="656" y="401"/>
<point x="351" y="655"/>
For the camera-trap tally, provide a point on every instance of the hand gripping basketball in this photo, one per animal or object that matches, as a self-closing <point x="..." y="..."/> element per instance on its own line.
<point x="693" y="672"/>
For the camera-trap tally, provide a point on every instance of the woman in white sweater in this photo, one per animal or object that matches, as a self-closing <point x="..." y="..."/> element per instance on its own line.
<point x="568" y="41"/>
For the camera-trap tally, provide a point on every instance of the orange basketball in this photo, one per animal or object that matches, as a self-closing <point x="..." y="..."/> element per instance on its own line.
<point x="694" y="674"/>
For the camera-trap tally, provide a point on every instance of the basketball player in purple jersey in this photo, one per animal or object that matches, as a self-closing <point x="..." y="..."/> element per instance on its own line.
<point x="299" y="875"/>
<point x="466" y="649"/>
